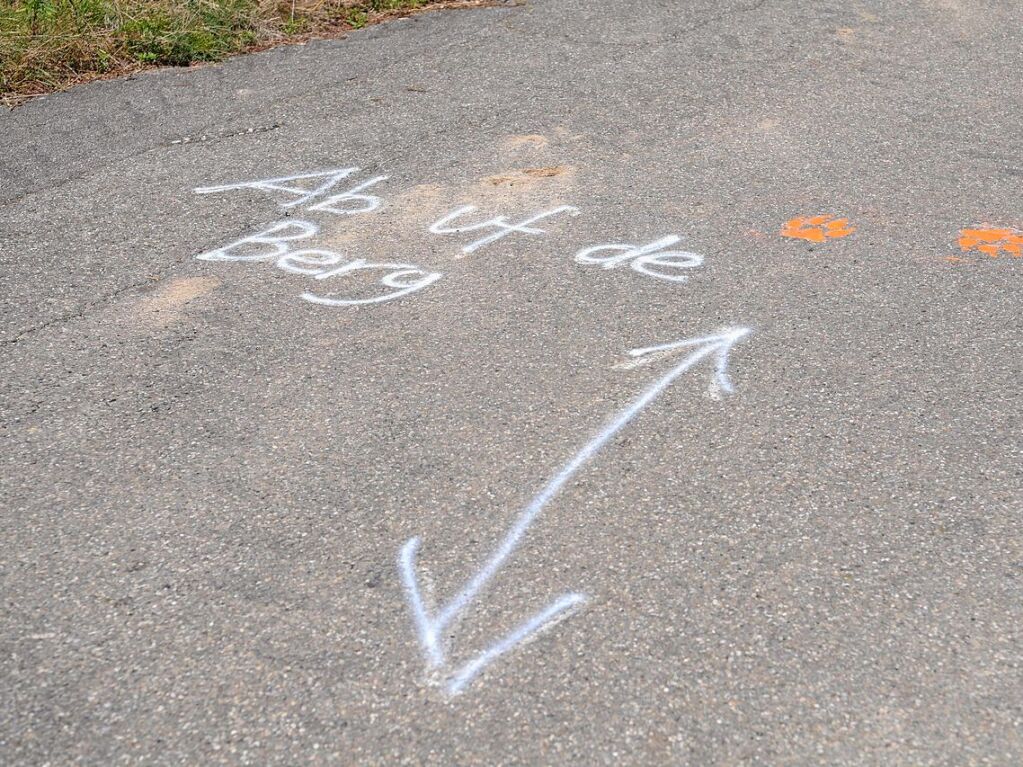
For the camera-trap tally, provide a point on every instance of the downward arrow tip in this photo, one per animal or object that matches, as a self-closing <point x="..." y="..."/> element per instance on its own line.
<point x="425" y="625"/>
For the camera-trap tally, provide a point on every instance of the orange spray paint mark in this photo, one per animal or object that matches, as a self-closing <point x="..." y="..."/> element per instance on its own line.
<point x="817" y="228"/>
<point x="992" y="242"/>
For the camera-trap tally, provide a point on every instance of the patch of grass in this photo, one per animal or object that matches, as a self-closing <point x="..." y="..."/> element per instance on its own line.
<point x="47" y="45"/>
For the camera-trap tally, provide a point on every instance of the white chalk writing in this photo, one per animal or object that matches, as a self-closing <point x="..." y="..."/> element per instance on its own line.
<point x="393" y="279"/>
<point x="302" y="195"/>
<point x="269" y="243"/>
<point x="275" y="242"/>
<point x="316" y="192"/>
<point x="500" y="223"/>
<point x="366" y="202"/>
<point x="652" y="259"/>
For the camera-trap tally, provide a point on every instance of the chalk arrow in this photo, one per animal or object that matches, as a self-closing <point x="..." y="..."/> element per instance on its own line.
<point x="431" y="624"/>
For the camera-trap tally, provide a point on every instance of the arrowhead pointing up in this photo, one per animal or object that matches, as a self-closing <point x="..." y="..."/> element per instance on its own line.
<point x="718" y="344"/>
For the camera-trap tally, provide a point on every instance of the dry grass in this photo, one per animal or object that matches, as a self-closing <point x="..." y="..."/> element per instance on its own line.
<point x="48" y="45"/>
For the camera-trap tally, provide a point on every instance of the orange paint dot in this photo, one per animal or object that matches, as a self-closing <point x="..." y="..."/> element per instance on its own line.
<point x="817" y="228"/>
<point x="992" y="241"/>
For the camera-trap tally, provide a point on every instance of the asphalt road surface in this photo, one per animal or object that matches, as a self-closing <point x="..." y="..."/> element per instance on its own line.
<point x="211" y="466"/>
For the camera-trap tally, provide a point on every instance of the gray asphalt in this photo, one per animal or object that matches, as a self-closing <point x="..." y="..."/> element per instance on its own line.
<point x="207" y="479"/>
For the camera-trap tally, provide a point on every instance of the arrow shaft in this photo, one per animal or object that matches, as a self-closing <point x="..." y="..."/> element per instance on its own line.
<point x="529" y="514"/>
<point x="431" y="626"/>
